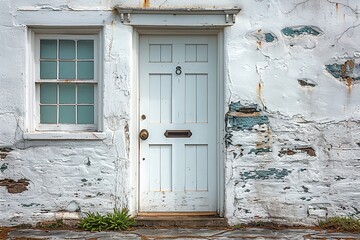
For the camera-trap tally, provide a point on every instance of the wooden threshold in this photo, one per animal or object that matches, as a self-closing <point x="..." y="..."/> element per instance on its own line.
<point x="180" y="219"/>
<point x="172" y="214"/>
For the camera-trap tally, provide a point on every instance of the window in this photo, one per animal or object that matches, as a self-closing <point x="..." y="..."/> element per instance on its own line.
<point x="66" y="82"/>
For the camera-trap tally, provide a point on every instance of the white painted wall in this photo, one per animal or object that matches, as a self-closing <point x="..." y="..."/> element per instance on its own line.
<point x="270" y="186"/>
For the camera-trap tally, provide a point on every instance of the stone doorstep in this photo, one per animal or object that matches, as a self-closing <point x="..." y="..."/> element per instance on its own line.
<point x="181" y="221"/>
<point x="178" y="233"/>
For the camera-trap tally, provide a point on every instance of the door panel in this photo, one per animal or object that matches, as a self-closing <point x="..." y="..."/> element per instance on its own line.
<point x="196" y="167"/>
<point x="160" y="98"/>
<point x="178" y="174"/>
<point x="160" y="167"/>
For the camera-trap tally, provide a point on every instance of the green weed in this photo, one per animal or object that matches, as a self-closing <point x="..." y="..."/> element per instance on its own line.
<point x="346" y="224"/>
<point x="51" y="224"/>
<point x="118" y="220"/>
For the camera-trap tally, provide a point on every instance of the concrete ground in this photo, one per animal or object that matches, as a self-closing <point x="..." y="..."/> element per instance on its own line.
<point x="175" y="233"/>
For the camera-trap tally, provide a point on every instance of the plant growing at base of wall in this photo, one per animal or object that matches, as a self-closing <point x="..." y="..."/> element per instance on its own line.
<point x="347" y="224"/>
<point x="118" y="220"/>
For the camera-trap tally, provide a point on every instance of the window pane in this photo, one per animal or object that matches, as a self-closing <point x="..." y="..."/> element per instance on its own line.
<point x="48" y="49"/>
<point x="85" y="49"/>
<point x="48" y="93"/>
<point x="67" y="70"/>
<point x="85" y="114"/>
<point x="67" y="49"/>
<point x="67" y="114"/>
<point x="85" y="94"/>
<point x="47" y="70"/>
<point x="85" y="70"/>
<point x="67" y="93"/>
<point x="47" y="114"/>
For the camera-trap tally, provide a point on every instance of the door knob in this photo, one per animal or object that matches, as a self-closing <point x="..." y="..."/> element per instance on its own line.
<point x="144" y="134"/>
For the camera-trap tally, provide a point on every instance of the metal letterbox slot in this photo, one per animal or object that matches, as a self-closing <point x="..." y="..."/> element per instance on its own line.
<point x="178" y="133"/>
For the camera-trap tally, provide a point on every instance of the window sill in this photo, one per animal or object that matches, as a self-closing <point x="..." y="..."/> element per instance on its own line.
<point x="64" y="136"/>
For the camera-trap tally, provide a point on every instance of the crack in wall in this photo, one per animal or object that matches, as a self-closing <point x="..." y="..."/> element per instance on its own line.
<point x="337" y="39"/>
<point x="163" y="3"/>
<point x="297" y="5"/>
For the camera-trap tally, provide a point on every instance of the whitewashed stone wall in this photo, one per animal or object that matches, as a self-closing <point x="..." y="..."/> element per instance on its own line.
<point x="292" y="94"/>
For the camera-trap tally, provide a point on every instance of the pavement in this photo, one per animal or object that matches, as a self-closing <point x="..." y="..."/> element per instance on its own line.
<point x="178" y="233"/>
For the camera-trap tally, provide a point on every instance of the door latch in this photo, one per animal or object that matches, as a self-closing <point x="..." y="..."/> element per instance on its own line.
<point x="144" y="134"/>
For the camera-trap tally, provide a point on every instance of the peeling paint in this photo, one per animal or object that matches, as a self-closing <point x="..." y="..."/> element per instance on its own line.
<point x="30" y="204"/>
<point x="292" y="151"/>
<point x="305" y="82"/>
<point x="15" y="186"/>
<point x="306" y="189"/>
<point x="334" y="69"/>
<point x="356" y="211"/>
<point x="3" y="167"/>
<point x="245" y="117"/>
<point x="317" y="211"/>
<point x="228" y="139"/>
<point x="4" y="152"/>
<point x="260" y="36"/>
<point x="308" y="199"/>
<point x="238" y="107"/>
<point x="265" y="174"/>
<point x="258" y="151"/>
<point x="247" y="123"/>
<point x="347" y="72"/>
<point x="53" y="8"/>
<point x="301" y="31"/>
<point x="269" y="37"/>
<point x="339" y="178"/>
<point x="127" y="138"/>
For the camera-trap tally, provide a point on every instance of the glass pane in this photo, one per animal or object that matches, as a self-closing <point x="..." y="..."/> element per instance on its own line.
<point x="85" y="49"/>
<point x="85" y="70"/>
<point x="67" y="49"/>
<point x="85" y="94"/>
<point x="48" y="49"/>
<point x="85" y="114"/>
<point x="48" y="93"/>
<point x="67" y="93"/>
<point x="67" y="70"/>
<point x="47" y="114"/>
<point x="67" y="114"/>
<point x="47" y="70"/>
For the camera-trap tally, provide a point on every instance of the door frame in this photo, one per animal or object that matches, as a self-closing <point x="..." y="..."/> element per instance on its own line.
<point x="135" y="117"/>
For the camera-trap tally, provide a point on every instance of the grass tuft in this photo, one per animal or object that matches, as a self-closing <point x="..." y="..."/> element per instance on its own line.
<point x="116" y="221"/>
<point x="345" y="224"/>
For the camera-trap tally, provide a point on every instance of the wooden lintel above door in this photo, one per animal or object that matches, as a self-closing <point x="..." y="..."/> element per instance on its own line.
<point x="214" y="17"/>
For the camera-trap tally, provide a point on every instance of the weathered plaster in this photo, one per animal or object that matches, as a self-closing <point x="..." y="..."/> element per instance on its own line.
<point x="292" y="120"/>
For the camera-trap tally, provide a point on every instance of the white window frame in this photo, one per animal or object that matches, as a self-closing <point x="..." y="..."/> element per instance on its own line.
<point x="33" y="124"/>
